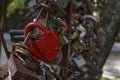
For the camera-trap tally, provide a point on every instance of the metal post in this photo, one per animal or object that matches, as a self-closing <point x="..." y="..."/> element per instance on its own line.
<point x="66" y="48"/>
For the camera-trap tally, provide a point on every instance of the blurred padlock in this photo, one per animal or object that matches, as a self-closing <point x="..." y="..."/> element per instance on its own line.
<point x="65" y="39"/>
<point x="61" y="28"/>
<point x="48" y="47"/>
<point x="76" y="46"/>
<point x="93" y="47"/>
<point x="18" y="71"/>
<point x="79" y="61"/>
<point x="63" y="36"/>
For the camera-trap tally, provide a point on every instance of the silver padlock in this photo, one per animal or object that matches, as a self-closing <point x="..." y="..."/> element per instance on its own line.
<point x="79" y="61"/>
<point x="65" y="39"/>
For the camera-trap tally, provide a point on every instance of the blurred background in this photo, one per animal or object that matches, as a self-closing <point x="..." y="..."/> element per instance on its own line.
<point x="14" y="15"/>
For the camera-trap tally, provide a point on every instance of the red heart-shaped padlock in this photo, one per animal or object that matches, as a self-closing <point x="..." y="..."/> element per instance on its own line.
<point x="48" y="47"/>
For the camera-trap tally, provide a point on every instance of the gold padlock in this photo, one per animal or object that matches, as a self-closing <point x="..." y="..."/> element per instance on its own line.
<point x="74" y="35"/>
<point x="93" y="47"/>
<point x="19" y="71"/>
<point x="76" y="46"/>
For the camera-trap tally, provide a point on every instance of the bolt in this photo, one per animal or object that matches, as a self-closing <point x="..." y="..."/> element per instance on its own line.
<point x="57" y="48"/>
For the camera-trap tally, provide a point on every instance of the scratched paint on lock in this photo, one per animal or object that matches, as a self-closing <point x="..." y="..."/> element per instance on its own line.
<point x="48" y="47"/>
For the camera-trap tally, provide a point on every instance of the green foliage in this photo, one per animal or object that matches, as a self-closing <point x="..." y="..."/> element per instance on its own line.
<point x="105" y="78"/>
<point x="17" y="6"/>
<point x="17" y="9"/>
<point x="16" y="14"/>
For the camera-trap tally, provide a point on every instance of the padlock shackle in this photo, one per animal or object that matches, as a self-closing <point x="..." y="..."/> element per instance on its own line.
<point x="65" y="25"/>
<point x="31" y="26"/>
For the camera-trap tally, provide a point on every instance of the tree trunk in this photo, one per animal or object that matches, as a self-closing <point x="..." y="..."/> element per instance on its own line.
<point x="109" y="27"/>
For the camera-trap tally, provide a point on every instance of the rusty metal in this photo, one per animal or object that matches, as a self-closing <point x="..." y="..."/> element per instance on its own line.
<point x="37" y="19"/>
<point x="53" y="38"/>
<point x="18" y="70"/>
<point x="21" y="51"/>
<point x="53" y="8"/>
<point x="21" y="60"/>
<point x="66" y="48"/>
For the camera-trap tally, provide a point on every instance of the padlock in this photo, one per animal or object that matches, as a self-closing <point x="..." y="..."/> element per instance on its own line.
<point x="65" y="39"/>
<point x="74" y="35"/>
<point x="79" y="61"/>
<point x="91" y="64"/>
<point x="90" y="17"/>
<point x="63" y="36"/>
<point x="61" y="28"/>
<point x="93" y="47"/>
<point x="78" y="45"/>
<point x="48" y="47"/>
<point x="18" y="71"/>
<point x="79" y="64"/>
